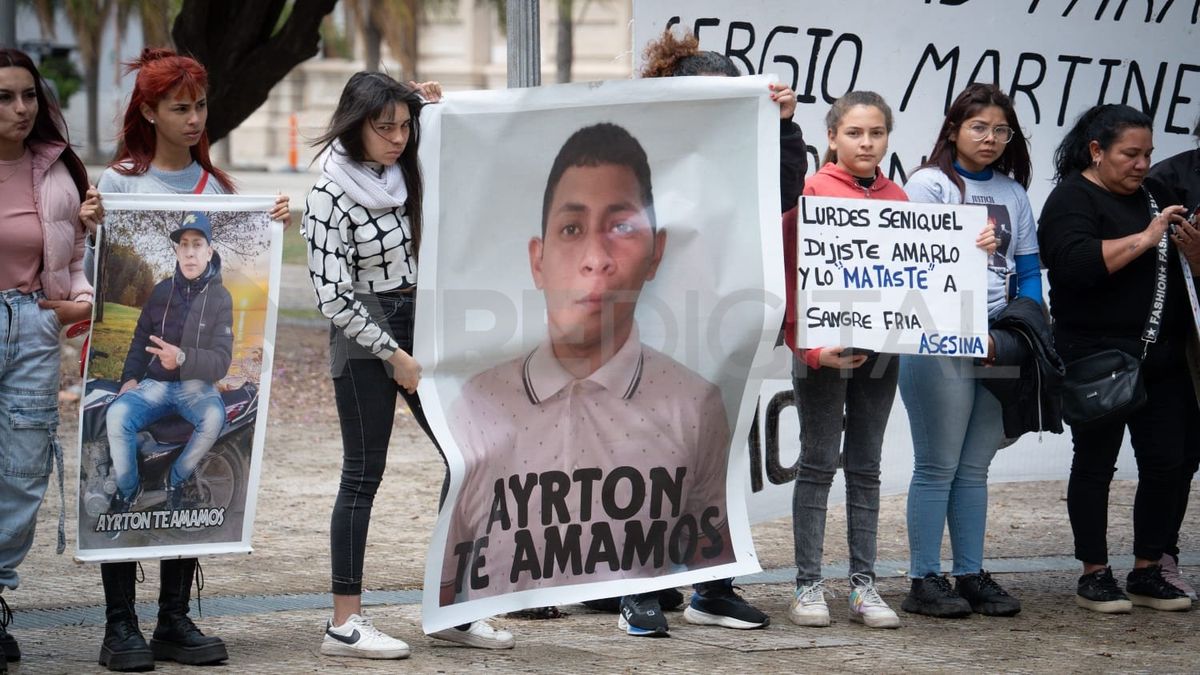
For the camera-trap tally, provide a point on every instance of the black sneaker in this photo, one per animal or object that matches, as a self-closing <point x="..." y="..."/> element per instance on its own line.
<point x="933" y="596"/>
<point x="669" y="599"/>
<point x="1099" y="592"/>
<point x="715" y="603"/>
<point x="985" y="595"/>
<point x="8" y="644"/>
<point x="642" y="616"/>
<point x="1147" y="588"/>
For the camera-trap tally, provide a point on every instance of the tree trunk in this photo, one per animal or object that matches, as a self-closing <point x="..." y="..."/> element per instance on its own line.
<point x="564" y="50"/>
<point x="372" y="45"/>
<point x="91" y="78"/>
<point x="244" y="54"/>
<point x="411" y="52"/>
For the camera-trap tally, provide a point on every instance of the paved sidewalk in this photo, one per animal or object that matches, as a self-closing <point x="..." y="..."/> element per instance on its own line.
<point x="1041" y="639"/>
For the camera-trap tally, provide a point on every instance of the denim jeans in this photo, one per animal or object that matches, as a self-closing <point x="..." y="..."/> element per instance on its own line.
<point x="366" y="402"/>
<point x="956" y="428"/>
<point x="29" y="378"/>
<point x="830" y="400"/>
<point x="196" y="401"/>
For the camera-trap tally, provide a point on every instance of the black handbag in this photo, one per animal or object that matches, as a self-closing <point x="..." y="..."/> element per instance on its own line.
<point x="1103" y="387"/>
<point x="1107" y="386"/>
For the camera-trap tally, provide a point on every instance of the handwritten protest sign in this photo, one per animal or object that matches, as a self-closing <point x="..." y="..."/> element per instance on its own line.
<point x="896" y="277"/>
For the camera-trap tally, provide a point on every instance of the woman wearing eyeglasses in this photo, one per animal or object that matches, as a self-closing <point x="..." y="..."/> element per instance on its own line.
<point x="980" y="157"/>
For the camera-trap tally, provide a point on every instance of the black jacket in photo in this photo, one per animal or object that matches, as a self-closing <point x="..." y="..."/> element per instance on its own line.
<point x="195" y="315"/>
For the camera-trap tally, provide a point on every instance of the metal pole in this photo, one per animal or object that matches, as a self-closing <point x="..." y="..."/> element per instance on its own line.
<point x="524" y="44"/>
<point x="8" y="23"/>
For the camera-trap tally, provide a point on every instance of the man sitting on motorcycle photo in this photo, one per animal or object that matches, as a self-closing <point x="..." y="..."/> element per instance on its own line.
<point x="181" y="347"/>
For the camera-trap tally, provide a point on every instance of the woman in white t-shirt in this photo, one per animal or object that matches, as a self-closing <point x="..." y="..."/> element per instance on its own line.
<point x="981" y="156"/>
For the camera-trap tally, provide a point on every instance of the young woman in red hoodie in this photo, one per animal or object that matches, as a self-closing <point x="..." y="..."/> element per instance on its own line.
<point x="831" y="383"/>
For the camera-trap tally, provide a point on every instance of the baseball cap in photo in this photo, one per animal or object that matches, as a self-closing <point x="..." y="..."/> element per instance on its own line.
<point x="193" y="220"/>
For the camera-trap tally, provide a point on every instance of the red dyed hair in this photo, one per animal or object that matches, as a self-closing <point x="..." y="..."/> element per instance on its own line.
<point x="159" y="72"/>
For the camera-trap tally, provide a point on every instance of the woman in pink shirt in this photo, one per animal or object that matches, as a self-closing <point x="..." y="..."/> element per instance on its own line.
<point x="42" y="288"/>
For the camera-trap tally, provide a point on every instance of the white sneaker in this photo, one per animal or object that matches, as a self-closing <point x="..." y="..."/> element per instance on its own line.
<point x="866" y="607"/>
<point x="358" y="637"/>
<point x="808" y="606"/>
<point x="479" y="634"/>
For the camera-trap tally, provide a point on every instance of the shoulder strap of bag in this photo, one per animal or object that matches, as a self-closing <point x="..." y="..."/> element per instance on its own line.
<point x="199" y="189"/>
<point x="1159" y="302"/>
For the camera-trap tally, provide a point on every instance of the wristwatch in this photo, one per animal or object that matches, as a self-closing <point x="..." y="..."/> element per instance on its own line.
<point x="180" y="357"/>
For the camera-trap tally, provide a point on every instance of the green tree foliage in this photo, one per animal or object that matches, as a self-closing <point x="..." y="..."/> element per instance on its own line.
<point x="128" y="275"/>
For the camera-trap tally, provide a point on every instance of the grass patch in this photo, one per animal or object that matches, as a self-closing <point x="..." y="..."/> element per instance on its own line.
<point x="289" y="313"/>
<point x="295" y="249"/>
<point x="111" y="337"/>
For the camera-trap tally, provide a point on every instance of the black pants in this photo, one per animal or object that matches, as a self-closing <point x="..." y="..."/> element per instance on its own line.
<point x="1165" y="434"/>
<point x="366" y="401"/>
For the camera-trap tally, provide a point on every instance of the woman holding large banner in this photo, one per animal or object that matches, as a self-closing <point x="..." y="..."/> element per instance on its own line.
<point x="1117" y="285"/>
<point x="362" y="221"/>
<point x="42" y="288"/>
<point x="163" y="150"/>
<point x="716" y="603"/>
<point x="981" y="157"/>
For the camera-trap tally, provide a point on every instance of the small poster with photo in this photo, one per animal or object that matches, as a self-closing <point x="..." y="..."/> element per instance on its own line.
<point x="177" y="376"/>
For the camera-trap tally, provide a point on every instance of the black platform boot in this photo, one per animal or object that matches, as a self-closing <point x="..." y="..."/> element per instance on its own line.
<point x="9" y="649"/>
<point x="124" y="648"/>
<point x="176" y="638"/>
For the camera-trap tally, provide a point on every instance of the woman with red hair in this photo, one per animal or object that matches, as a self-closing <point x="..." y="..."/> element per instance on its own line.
<point x="163" y="149"/>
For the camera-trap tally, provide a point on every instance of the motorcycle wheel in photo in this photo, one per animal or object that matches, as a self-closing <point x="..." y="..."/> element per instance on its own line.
<point x="218" y="483"/>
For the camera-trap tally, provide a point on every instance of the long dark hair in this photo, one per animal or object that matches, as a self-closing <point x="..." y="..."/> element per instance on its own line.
<point x="1103" y="124"/>
<point x="1013" y="162"/>
<point x="48" y="125"/>
<point x="367" y="96"/>
<point x="840" y="107"/>
<point x="159" y="72"/>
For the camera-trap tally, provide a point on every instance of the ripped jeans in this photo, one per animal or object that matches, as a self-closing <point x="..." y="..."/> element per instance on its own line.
<point x="29" y="379"/>
<point x="196" y="401"/>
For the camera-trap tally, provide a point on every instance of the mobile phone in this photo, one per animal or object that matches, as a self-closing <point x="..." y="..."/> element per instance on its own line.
<point x="855" y="351"/>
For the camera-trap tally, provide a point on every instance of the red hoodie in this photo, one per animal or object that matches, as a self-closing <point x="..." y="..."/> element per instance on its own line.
<point x="830" y="181"/>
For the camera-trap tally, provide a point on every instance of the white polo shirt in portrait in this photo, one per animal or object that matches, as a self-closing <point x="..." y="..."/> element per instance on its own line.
<point x="619" y="474"/>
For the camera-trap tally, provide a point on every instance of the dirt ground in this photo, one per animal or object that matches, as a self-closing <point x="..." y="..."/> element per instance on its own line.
<point x="300" y="476"/>
<point x="299" y="479"/>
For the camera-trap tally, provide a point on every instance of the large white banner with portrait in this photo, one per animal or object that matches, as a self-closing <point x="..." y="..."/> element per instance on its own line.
<point x="1056" y="58"/>
<point x="178" y="376"/>
<point x="591" y="313"/>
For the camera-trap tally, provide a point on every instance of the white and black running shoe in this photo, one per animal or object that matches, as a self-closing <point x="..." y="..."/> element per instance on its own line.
<point x="642" y="616"/>
<point x="359" y="638"/>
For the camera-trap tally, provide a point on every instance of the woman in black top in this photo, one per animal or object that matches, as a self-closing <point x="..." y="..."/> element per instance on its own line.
<point x="1100" y="240"/>
<point x="1181" y="173"/>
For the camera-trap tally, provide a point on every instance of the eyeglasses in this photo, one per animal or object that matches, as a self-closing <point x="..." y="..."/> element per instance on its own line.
<point x="979" y="131"/>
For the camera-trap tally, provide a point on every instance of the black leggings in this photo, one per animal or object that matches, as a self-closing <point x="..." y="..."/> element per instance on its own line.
<point x="366" y="401"/>
<point x="1165" y="434"/>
